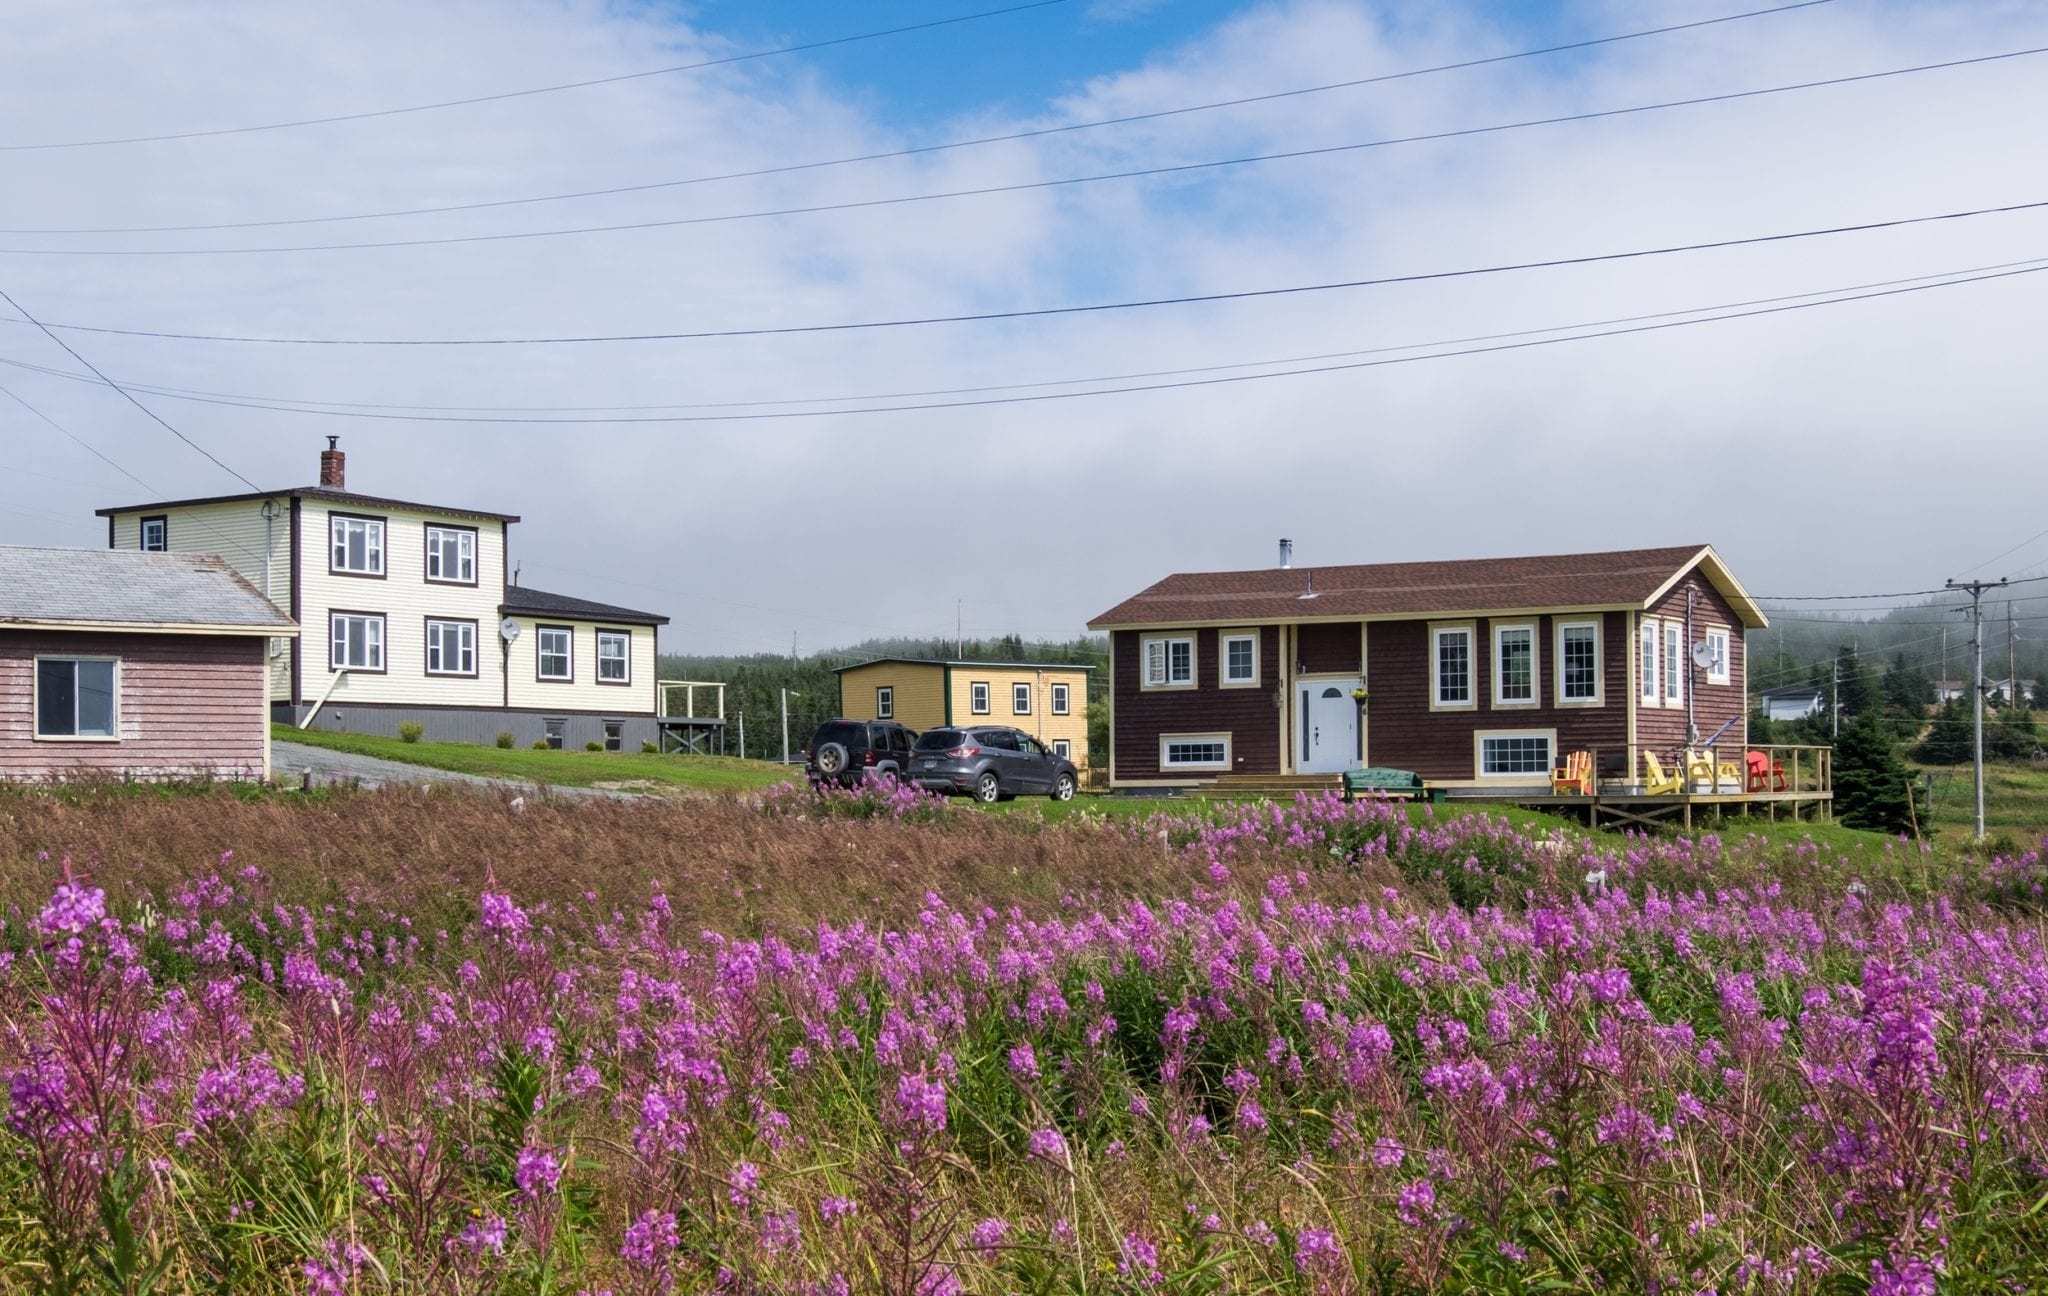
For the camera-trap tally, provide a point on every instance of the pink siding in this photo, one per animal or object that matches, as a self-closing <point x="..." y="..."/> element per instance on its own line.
<point x="188" y="705"/>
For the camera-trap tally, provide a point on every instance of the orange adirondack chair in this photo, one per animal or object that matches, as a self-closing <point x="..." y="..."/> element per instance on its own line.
<point x="1575" y="776"/>
<point x="1762" y="770"/>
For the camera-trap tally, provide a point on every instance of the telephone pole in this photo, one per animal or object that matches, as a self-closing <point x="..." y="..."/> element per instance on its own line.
<point x="1975" y="589"/>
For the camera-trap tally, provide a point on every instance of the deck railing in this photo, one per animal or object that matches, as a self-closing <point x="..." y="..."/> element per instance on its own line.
<point x="689" y="688"/>
<point x="1804" y="768"/>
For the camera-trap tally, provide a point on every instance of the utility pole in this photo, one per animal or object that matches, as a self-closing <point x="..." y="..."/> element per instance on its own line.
<point x="2012" y="659"/>
<point x="959" y="630"/>
<point x="1835" y="700"/>
<point x="1975" y="589"/>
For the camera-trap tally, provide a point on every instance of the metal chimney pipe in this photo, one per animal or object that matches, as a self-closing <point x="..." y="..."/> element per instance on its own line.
<point x="1286" y="553"/>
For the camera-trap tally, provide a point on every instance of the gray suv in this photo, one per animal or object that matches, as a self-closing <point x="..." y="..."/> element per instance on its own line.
<point x="991" y="764"/>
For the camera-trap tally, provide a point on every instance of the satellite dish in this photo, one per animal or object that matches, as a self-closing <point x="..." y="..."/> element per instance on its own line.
<point x="508" y="629"/>
<point x="1703" y="655"/>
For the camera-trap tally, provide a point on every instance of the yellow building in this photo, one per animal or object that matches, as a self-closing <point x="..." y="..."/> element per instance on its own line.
<point x="1048" y="702"/>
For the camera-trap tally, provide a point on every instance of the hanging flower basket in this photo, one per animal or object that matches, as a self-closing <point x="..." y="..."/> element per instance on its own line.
<point x="1358" y="696"/>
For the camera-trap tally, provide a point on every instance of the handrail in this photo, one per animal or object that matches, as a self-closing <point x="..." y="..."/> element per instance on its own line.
<point x="689" y="687"/>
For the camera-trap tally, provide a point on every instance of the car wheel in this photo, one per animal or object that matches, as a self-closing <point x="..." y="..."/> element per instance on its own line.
<point x="988" y="789"/>
<point x="1063" y="788"/>
<point x="832" y="758"/>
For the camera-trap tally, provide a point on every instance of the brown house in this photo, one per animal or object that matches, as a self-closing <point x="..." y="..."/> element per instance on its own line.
<point x="144" y="665"/>
<point x="1472" y="673"/>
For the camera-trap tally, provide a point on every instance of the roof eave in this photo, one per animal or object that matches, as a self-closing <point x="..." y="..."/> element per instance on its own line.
<point x="1707" y="560"/>
<point x="285" y="630"/>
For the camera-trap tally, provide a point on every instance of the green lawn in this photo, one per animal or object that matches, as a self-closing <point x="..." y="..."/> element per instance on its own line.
<point x="560" y="768"/>
<point x="2015" y="801"/>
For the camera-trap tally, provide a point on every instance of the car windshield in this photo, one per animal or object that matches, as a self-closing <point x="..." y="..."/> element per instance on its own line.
<point x="940" y="740"/>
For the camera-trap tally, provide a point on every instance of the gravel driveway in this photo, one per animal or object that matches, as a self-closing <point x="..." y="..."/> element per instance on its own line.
<point x="289" y="761"/>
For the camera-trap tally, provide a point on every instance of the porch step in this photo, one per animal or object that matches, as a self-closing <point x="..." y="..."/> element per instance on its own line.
<point x="1271" y="785"/>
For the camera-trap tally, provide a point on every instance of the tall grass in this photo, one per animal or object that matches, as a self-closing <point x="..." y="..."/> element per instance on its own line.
<point x="1307" y="1049"/>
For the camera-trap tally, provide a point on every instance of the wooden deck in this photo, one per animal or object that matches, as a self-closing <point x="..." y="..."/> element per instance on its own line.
<point x="1612" y="808"/>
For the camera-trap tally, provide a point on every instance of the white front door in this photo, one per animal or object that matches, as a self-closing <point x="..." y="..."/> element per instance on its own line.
<point x="1328" y="740"/>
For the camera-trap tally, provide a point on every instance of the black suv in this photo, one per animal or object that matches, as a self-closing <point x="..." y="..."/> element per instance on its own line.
<point x="991" y="764"/>
<point x="847" y="751"/>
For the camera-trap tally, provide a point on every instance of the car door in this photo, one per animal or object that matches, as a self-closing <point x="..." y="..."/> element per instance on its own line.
<point x="1004" y="759"/>
<point x="1034" y="765"/>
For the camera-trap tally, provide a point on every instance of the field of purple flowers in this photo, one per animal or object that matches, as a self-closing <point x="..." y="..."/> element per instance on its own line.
<point x="1518" y="1063"/>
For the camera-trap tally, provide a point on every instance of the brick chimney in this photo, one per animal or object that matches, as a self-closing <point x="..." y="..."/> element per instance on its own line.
<point x="333" y="466"/>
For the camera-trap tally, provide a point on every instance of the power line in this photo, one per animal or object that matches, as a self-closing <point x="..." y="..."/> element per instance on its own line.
<point x="892" y="154"/>
<point x="1833" y="598"/>
<point x="284" y="404"/>
<point x="1094" y="307"/>
<point x="98" y="453"/>
<point x="126" y="395"/>
<point x="1187" y="383"/>
<point x="536" y="90"/>
<point x="2003" y="552"/>
<point x="1024" y="186"/>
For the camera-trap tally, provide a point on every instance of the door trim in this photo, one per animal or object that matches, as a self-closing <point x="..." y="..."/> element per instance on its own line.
<point x="1345" y="681"/>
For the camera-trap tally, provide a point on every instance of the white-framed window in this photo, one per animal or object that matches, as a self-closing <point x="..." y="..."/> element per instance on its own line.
<point x="885" y="702"/>
<point x="1515" y="753"/>
<point x="1194" y="751"/>
<point x="977" y="697"/>
<point x="1721" y="671"/>
<point x="1514" y="665"/>
<point x="1062" y="749"/>
<point x="1578" y="663"/>
<point x="556" y="728"/>
<point x="355" y="641"/>
<point x="451" y="555"/>
<point x="1450" y="667"/>
<point x="156" y="535"/>
<point x="1020" y="699"/>
<point x="358" y="545"/>
<point x="1062" y="699"/>
<point x="451" y="647"/>
<point x="554" y="653"/>
<point x="77" y="698"/>
<point x="1674" y="663"/>
<point x="615" y="735"/>
<point x="1647" y="658"/>
<point x="614" y="657"/>
<point x="1240" y="660"/>
<point x="1169" y="661"/>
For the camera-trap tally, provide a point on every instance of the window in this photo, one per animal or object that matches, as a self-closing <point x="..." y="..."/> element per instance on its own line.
<point x="1578" y="662"/>
<point x="75" y="697"/>
<point x="1240" y="660"/>
<point x="1674" y="663"/>
<point x="156" y="535"/>
<point x="885" y="703"/>
<point x="1514" y="659"/>
<point x="451" y="555"/>
<point x="451" y="647"/>
<point x="1450" y="666"/>
<point x="355" y="641"/>
<point x="1194" y="751"/>
<point x="614" y="735"/>
<point x="1169" y="662"/>
<point x="977" y="697"/>
<point x="555" y="730"/>
<point x="614" y="662"/>
<point x="1062" y="749"/>
<point x="1020" y="699"/>
<point x="358" y="548"/>
<point x="554" y="653"/>
<point x="1646" y="661"/>
<point x="1721" y="671"/>
<point x="1515" y="754"/>
<point x="1062" y="704"/>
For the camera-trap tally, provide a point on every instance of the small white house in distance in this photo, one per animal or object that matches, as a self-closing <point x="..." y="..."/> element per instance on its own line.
<point x="1793" y="702"/>
<point x="409" y="615"/>
<point x="132" y="665"/>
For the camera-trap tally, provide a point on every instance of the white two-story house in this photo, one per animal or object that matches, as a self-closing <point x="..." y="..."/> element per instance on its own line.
<point x="408" y="614"/>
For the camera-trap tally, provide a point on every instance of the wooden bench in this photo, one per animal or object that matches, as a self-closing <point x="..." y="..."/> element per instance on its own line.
<point x="1381" y="781"/>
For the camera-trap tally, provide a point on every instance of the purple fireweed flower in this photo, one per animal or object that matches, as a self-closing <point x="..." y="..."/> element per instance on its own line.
<point x="486" y="1233"/>
<point x="73" y="910"/>
<point x="921" y="1101"/>
<point x="1140" y="1261"/>
<point x="1314" y="1248"/>
<point x="538" y="1173"/>
<point x="742" y="1183"/>
<point x="498" y="913"/>
<point x="1416" y="1204"/>
<point x="780" y="1233"/>
<point x="1909" y="1276"/>
<point x="834" y="1209"/>
<point x="1024" y="1061"/>
<point x="1047" y="1145"/>
<point x="651" y="1240"/>
<point x="989" y="1234"/>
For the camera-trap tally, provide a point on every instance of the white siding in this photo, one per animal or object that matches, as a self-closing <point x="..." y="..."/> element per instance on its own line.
<point x="406" y="599"/>
<point x="583" y="692"/>
<point x="236" y="533"/>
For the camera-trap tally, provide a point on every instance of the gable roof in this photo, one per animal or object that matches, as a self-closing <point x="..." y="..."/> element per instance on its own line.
<point x="327" y="493"/>
<point x="955" y="661"/>
<point x="1626" y="578"/>
<point x="1791" y="691"/>
<point x="524" y="600"/>
<point x="127" y="590"/>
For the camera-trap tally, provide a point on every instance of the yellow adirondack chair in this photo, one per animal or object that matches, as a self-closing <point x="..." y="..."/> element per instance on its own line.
<point x="1655" y="781"/>
<point x="1699" y="770"/>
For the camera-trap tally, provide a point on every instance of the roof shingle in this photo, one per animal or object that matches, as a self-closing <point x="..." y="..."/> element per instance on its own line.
<point x="524" y="600"/>
<point x="124" y="588"/>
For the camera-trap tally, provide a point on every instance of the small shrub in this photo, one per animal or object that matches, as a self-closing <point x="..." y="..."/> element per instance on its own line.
<point x="505" y="739"/>
<point x="649" y="749"/>
<point x="593" y="745"/>
<point x="540" y="744"/>
<point x="410" y="731"/>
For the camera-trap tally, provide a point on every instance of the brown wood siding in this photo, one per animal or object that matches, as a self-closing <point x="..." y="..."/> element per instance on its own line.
<point x="1328" y="648"/>
<point x="1246" y="714"/>
<point x="1662" y="729"/>
<point x="1403" y="733"/>
<point x="187" y="704"/>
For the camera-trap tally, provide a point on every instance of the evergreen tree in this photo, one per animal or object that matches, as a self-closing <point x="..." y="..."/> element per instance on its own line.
<point x="1872" y="785"/>
<point x="1907" y="690"/>
<point x="1948" y="738"/>
<point x="1854" y="688"/>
